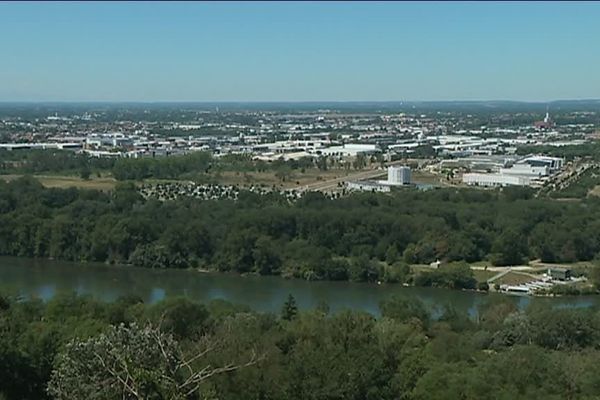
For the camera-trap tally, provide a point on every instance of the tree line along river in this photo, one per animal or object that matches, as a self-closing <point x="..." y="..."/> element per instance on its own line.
<point x="46" y="278"/>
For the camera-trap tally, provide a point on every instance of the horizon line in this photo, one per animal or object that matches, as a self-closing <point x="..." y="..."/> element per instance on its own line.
<point x="292" y="101"/>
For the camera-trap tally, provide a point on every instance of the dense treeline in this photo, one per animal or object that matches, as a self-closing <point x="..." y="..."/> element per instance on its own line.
<point x="569" y="152"/>
<point x="76" y="348"/>
<point x="52" y="161"/>
<point x="362" y="237"/>
<point x="164" y="167"/>
<point x="192" y="166"/>
<point x="201" y="164"/>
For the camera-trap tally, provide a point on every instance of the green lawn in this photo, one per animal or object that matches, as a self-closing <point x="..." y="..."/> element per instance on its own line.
<point x="483" y="276"/>
<point x="514" y="278"/>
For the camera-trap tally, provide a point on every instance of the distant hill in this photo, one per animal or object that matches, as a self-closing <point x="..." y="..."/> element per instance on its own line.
<point x="496" y="106"/>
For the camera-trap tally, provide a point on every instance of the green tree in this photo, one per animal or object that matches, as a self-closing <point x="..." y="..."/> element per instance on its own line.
<point x="266" y="259"/>
<point x="404" y="309"/>
<point x="289" y="309"/>
<point x="85" y="173"/>
<point x="134" y="363"/>
<point x="509" y="248"/>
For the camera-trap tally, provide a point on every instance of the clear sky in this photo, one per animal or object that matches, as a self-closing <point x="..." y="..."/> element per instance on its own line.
<point x="269" y="51"/>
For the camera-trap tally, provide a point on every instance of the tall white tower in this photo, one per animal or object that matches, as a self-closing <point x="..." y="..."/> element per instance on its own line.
<point x="398" y="175"/>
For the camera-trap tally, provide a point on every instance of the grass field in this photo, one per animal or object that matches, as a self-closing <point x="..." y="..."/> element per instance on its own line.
<point x="420" y="267"/>
<point x="483" y="276"/>
<point x="60" y="181"/>
<point x="514" y="278"/>
<point x="425" y="178"/>
<point x="480" y="264"/>
<point x="296" y="179"/>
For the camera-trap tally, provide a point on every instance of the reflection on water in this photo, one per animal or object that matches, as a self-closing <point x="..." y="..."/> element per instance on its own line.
<point x="44" y="279"/>
<point x="45" y="291"/>
<point x="157" y="294"/>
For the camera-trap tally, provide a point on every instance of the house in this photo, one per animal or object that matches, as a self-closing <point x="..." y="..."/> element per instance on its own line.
<point x="559" y="274"/>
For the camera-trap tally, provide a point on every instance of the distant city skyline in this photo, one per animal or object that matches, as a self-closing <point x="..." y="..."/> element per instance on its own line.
<point x="299" y="52"/>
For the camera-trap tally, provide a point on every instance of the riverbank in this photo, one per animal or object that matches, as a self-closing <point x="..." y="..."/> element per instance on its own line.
<point x="44" y="279"/>
<point x="486" y="279"/>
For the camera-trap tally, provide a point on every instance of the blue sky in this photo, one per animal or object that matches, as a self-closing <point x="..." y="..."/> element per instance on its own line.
<point x="299" y="51"/>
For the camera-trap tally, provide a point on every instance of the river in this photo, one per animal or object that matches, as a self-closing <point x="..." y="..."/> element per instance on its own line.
<point x="45" y="278"/>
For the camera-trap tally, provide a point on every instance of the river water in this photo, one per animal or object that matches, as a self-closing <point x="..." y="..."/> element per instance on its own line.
<point x="45" y="278"/>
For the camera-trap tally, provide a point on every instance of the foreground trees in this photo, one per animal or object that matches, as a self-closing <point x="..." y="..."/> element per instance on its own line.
<point x="134" y="363"/>
<point x="76" y="348"/>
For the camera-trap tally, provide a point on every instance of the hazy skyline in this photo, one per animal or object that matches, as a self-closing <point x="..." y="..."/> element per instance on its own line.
<point x="299" y="51"/>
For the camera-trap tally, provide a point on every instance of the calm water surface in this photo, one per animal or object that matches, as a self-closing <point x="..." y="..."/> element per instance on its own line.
<point x="44" y="278"/>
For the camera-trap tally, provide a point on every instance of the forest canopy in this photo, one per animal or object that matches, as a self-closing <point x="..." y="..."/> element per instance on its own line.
<point x="77" y="348"/>
<point x="360" y="237"/>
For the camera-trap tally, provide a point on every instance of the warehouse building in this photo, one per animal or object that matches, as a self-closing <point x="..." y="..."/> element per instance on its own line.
<point x="495" y="180"/>
<point x="350" y="150"/>
<point x="552" y="163"/>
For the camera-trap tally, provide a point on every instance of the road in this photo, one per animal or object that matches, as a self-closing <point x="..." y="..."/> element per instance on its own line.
<point x="332" y="184"/>
<point x="565" y="178"/>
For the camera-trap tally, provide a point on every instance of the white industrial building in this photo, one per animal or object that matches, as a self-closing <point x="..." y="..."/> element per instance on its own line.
<point x="108" y="139"/>
<point x="527" y="170"/>
<point x="495" y="180"/>
<point x="42" y="146"/>
<point x="480" y="163"/>
<point x="553" y="163"/>
<point x="291" y="146"/>
<point x="350" y="150"/>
